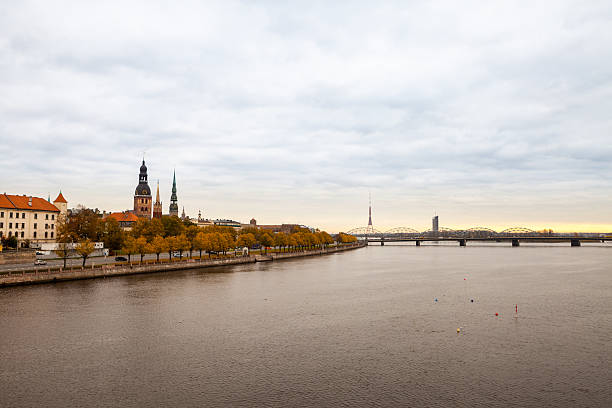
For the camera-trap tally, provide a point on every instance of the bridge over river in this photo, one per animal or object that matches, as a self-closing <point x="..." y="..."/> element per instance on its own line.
<point x="511" y="235"/>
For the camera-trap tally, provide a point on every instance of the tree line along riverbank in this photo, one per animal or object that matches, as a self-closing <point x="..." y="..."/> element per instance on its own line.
<point x="49" y="275"/>
<point x="81" y="228"/>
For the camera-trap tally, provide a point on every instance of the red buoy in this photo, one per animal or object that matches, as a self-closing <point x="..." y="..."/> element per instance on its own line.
<point x="496" y="314"/>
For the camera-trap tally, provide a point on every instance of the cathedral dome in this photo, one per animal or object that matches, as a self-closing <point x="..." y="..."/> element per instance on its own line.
<point x="142" y="190"/>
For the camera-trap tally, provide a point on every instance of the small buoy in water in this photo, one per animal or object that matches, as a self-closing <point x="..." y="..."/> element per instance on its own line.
<point x="436" y="299"/>
<point x="496" y="314"/>
<point x="472" y="300"/>
<point x="458" y="329"/>
<point x="464" y="278"/>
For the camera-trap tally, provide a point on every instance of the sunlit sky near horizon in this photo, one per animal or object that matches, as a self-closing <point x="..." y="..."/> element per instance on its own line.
<point x="492" y="114"/>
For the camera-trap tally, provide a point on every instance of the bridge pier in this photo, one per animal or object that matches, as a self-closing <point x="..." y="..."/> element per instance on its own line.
<point x="418" y="243"/>
<point x="575" y="242"/>
<point x="462" y="242"/>
<point x="382" y="241"/>
<point x="515" y="243"/>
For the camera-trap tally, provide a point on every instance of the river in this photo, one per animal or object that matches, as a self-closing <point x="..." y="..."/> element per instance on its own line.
<point x="371" y="327"/>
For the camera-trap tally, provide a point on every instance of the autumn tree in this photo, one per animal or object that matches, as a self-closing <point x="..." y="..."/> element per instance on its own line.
<point x="191" y="232"/>
<point x="171" y="246"/>
<point x="182" y="244"/>
<point x="85" y="248"/>
<point x="199" y="242"/>
<point x="129" y="246"/>
<point x="158" y="245"/>
<point x="246" y="240"/>
<point x="63" y="251"/>
<point x="140" y="247"/>
<point x="266" y="240"/>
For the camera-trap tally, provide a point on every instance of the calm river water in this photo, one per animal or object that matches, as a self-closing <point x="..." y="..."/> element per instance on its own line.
<point x="360" y="328"/>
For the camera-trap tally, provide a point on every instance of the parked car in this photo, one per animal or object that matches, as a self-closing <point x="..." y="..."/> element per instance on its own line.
<point x="40" y="262"/>
<point x="120" y="259"/>
<point x="176" y="254"/>
<point x="39" y="253"/>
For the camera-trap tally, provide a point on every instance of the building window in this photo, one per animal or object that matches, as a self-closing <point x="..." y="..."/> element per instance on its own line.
<point x="22" y="215"/>
<point x="16" y="215"/>
<point x="52" y="226"/>
<point x="16" y="225"/>
<point x="21" y="234"/>
<point x="10" y="234"/>
<point x="10" y="225"/>
<point x="52" y="216"/>
<point x="46" y="216"/>
<point x="34" y="234"/>
<point x="35" y="225"/>
<point x="2" y="214"/>
<point x="0" y="234"/>
<point x="51" y="234"/>
<point x="35" y="216"/>
<point x="46" y="226"/>
<point x="10" y="215"/>
<point x="1" y="225"/>
<point x="22" y="225"/>
<point x="45" y="234"/>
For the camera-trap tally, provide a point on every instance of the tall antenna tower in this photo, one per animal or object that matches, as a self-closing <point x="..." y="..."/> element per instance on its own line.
<point x="370" y="210"/>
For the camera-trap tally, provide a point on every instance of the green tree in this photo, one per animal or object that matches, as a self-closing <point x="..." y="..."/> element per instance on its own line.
<point x="111" y="233"/>
<point x="173" y="226"/>
<point x="159" y="245"/>
<point x="85" y="248"/>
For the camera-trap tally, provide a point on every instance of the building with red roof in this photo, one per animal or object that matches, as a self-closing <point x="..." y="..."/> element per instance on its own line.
<point x="125" y="219"/>
<point x="30" y="218"/>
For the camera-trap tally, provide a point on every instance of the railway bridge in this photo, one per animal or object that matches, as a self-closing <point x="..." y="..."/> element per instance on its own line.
<point x="514" y="235"/>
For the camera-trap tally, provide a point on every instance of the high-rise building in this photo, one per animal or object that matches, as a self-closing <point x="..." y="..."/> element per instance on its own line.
<point x="173" y="199"/>
<point x="434" y="224"/>
<point x="157" y="205"/>
<point x="142" y="196"/>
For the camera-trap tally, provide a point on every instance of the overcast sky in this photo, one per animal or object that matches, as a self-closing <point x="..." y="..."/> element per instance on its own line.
<point x="488" y="113"/>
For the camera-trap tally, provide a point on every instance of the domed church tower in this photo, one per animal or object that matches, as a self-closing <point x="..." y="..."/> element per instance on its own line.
<point x="142" y="196"/>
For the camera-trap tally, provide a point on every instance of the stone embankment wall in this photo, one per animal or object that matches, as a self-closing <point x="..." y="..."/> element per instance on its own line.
<point x="20" y="256"/>
<point x="104" y="271"/>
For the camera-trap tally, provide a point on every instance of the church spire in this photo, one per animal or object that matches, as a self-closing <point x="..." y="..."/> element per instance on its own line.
<point x="157" y="205"/>
<point x="173" y="198"/>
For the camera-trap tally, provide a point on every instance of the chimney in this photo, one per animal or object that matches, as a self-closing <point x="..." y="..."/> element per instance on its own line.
<point x="30" y="201"/>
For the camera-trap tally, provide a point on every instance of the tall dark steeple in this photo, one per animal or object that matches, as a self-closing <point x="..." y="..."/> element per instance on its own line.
<point x="173" y="199"/>
<point x="142" y="195"/>
<point x="370" y="212"/>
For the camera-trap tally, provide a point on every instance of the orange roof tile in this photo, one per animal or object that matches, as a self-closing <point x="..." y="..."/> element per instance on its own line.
<point x="123" y="216"/>
<point x="23" y="203"/>
<point x="60" y="199"/>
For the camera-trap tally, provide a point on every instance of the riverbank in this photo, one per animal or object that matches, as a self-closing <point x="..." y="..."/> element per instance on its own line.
<point x="106" y="271"/>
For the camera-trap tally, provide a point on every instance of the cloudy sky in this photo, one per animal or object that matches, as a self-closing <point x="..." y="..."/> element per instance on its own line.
<point x="487" y="113"/>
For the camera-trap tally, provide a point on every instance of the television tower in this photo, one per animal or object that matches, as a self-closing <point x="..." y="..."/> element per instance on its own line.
<point x="370" y="212"/>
